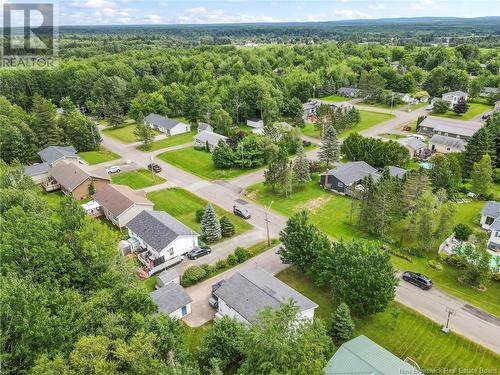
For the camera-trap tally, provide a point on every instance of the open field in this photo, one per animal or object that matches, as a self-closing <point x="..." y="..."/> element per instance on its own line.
<point x="475" y="109"/>
<point x="182" y="205"/>
<point x="335" y="98"/>
<point x="97" y="157"/>
<point x="199" y="163"/>
<point x="368" y="119"/>
<point x="137" y="179"/>
<point x="174" y="140"/>
<point x="124" y="134"/>
<point x="412" y="335"/>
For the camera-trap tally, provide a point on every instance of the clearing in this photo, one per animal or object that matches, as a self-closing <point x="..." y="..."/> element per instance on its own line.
<point x="475" y="109"/>
<point x="137" y="179"/>
<point x="99" y="156"/>
<point x="173" y="140"/>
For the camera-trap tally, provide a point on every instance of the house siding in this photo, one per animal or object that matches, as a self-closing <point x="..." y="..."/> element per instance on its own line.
<point x="444" y="149"/>
<point x="180" y="128"/>
<point x="177" y="314"/>
<point x="225" y="310"/>
<point x="330" y="182"/>
<point x="130" y="213"/>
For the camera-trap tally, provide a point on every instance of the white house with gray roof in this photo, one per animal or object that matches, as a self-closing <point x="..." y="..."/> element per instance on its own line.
<point x="350" y="92"/>
<point x="172" y="300"/>
<point x="52" y="154"/>
<point x="163" y="239"/>
<point x="454" y="96"/>
<point x="203" y="126"/>
<point x="166" y="125"/>
<point x="246" y="293"/>
<point x="208" y="139"/>
<point x="490" y="220"/>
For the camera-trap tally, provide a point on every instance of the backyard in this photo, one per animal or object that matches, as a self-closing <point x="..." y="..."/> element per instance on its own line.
<point x="99" y="156"/>
<point x="368" y="119"/>
<point x="411" y="335"/>
<point x="475" y="109"/>
<point x="137" y="179"/>
<point x="174" y="140"/>
<point x="182" y="205"/>
<point x="199" y="163"/>
<point x="335" y="98"/>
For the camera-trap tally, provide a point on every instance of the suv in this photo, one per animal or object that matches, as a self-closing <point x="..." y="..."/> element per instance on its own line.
<point x="113" y="169"/>
<point x="423" y="282"/>
<point x="154" y="167"/>
<point x="198" y="252"/>
<point x="241" y="212"/>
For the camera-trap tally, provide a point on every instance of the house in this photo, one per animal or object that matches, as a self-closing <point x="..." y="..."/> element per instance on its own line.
<point x="38" y="172"/>
<point x="255" y="123"/>
<point x="406" y="98"/>
<point x="363" y="356"/>
<point x="487" y="92"/>
<point x="349" y="92"/>
<point x="172" y="300"/>
<point x="310" y="108"/>
<point x="340" y="105"/>
<point x="347" y="176"/>
<point x="73" y="179"/>
<point x="208" y="139"/>
<point x="120" y="203"/>
<point x="414" y="146"/>
<point x="166" y="125"/>
<point x="162" y="238"/>
<point x="454" y="96"/>
<point x="250" y="290"/>
<point x="444" y="144"/>
<point x="92" y="208"/>
<point x="490" y="220"/>
<point x="167" y="276"/>
<point x="52" y="154"/>
<point x="204" y="127"/>
<point x="396" y="171"/>
<point x="395" y="64"/>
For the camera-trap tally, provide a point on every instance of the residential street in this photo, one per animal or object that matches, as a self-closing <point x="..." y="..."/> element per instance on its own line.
<point x="432" y="304"/>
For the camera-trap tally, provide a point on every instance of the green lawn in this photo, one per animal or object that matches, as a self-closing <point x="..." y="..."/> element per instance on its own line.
<point x="174" y="140"/>
<point x="182" y="205"/>
<point x="368" y="119"/>
<point x="413" y="335"/>
<point x="124" y="134"/>
<point x="335" y="98"/>
<point x="392" y="136"/>
<point x="199" y="163"/>
<point x="475" y="109"/>
<point x="137" y="179"/>
<point x="100" y="156"/>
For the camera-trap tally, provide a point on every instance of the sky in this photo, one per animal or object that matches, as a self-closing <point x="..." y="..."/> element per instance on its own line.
<point x="119" y="12"/>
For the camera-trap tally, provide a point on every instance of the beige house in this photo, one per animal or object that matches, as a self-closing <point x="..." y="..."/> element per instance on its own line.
<point x="73" y="179"/>
<point x="120" y="203"/>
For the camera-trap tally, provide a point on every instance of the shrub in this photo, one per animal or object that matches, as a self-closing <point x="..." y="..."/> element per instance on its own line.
<point x="441" y="106"/>
<point x="316" y="166"/>
<point x="199" y="214"/>
<point x="221" y="264"/>
<point x="415" y="252"/>
<point x="226" y="227"/>
<point x="232" y="260"/>
<point x="208" y="269"/>
<point x="454" y="260"/>
<point x="241" y="254"/>
<point x="495" y="277"/>
<point x="192" y="275"/>
<point x="399" y="254"/>
<point x="435" y="265"/>
<point x="462" y="232"/>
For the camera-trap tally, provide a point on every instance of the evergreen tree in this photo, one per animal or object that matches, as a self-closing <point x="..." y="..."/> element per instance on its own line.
<point x="210" y="225"/>
<point x="144" y="132"/>
<point x="341" y="325"/>
<point x="482" y="142"/>
<point x="301" y="171"/>
<point x="43" y="122"/>
<point x="277" y="169"/>
<point x="226" y="227"/>
<point x="330" y="148"/>
<point x="461" y="106"/>
<point x="482" y="177"/>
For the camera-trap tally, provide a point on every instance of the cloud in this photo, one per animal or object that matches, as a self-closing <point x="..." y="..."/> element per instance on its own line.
<point x="200" y="15"/>
<point x="93" y="4"/>
<point x="377" y="7"/>
<point x="349" y="14"/>
<point x="155" y="18"/>
<point x="422" y="4"/>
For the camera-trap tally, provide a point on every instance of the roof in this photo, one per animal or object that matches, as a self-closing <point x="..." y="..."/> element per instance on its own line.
<point x="363" y="356"/>
<point x="396" y="171"/>
<point x="496" y="224"/>
<point x="456" y="93"/>
<point x="158" y="229"/>
<point x="412" y="143"/>
<point x="90" y="205"/>
<point x="348" y="89"/>
<point x="170" y="298"/>
<point x="448" y="141"/>
<point x="168" y="276"/>
<point x="71" y="175"/>
<point x="490" y="90"/>
<point x="52" y="153"/>
<point x="251" y="290"/>
<point x="202" y="126"/>
<point x="36" y="169"/>
<point x="119" y="198"/>
<point x="210" y="137"/>
<point x="463" y="128"/>
<point x="351" y="172"/>
<point x="491" y="208"/>
<point x="161" y="121"/>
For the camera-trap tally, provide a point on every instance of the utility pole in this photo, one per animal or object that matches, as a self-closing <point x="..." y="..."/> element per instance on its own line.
<point x="266" y="212"/>
<point x="450" y="313"/>
<point x="242" y="154"/>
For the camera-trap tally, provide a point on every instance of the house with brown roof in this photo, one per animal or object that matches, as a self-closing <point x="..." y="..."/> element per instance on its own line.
<point x="74" y="179"/>
<point x="120" y="203"/>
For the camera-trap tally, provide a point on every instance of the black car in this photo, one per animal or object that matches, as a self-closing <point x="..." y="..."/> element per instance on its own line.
<point x="241" y="212"/>
<point x="154" y="167"/>
<point x="422" y="281"/>
<point x="216" y="286"/>
<point x="486" y="116"/>
<point x="198" y="252"/>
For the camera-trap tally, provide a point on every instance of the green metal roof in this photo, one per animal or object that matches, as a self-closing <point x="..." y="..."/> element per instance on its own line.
<point x="363" y="356"/>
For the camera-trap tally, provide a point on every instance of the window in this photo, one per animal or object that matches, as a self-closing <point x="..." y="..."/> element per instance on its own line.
<point x="341" y="185"/>
<point x="184" y="310"/>
<point x="489" y="220"/>
<point x="447" y="149"/>
<point x="171" y="251"/>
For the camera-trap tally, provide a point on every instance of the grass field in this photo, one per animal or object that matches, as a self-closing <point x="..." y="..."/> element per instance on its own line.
<point x="335" y="98"/>
<point x="124" y="134"/>
<point x="392" y="136"/>
<point x="174" y="140"/>
<point x="199" y="163"/>
<point x="137" y="179"/>
<point x="412" y="335"/>
<point x="475" y="109"/>
<point x="100" y="156"/>
<point x="182" y="205"/>
<point x="368" y="119"/>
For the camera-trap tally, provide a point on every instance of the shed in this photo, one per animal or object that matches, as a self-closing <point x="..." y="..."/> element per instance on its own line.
<point x="167" y="277"/>
<point x="172" y="300"/>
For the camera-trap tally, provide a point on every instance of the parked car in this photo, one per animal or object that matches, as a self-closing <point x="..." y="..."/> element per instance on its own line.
<point x="241" y="212"/>
<point x="430" y="107"/>
<point x="154" y="167"/>
<point x="213" y="303"/>
<point x="422" y="281"/>
<point x="198" y="252"/>
<point x="113" y="169"/>
<point x="486" y="115"/>
<point x="216" y="286"/>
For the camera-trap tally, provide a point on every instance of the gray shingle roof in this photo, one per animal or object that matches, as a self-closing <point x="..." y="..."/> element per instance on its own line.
<point x="448" y="141"/>
<point x="36" y="169"/>
<point x="496" y="224"/>
<point x="396" y="171"/>
<point x="170" y="298"/>
<point x="491" y="209"/>
<point x="52" y="153"/>
<point x="412" y="143"/>
<point x="351" y="172"/>
<point x="203" y="126"/>
<point x="161" y="121"/>
<point x="158" y="229"/>
<point x="462" y="128"/>
<point x="252" y="289"/>
<point x="168" y="276"/>
<point x="210" y="137"/>
<point x="456" y="93"/>
<point x="351" y="90"/>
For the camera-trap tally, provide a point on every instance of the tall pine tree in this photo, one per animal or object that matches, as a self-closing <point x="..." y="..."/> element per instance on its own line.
<point x="330" y="148"/>
<point x="210" y="225"/>
<point x="341" y="325"/>
<point x="301" y="171"/>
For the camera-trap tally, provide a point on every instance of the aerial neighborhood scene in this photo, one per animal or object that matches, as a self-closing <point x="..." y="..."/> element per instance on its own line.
<point x="255" y="188"/>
